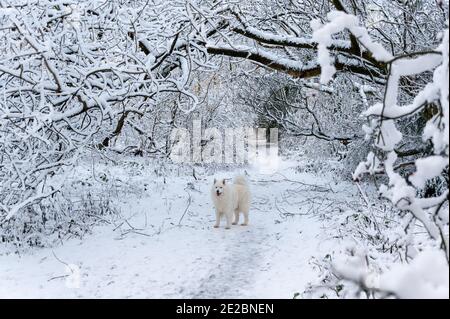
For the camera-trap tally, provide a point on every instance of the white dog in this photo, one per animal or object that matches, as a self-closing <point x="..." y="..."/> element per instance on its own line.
<point x="231" y="200"/>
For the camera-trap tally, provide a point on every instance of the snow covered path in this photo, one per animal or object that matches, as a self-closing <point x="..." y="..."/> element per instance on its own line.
<point x="151" y="254"/>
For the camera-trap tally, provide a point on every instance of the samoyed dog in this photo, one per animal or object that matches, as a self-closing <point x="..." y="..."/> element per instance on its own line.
<point x="230" y="200"/>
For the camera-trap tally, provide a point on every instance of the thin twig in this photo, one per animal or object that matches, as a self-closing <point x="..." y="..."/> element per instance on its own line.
<point x="187" y="207"/>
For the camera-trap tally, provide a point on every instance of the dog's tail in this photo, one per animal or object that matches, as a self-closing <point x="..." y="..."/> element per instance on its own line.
<point x="240" y="180"/>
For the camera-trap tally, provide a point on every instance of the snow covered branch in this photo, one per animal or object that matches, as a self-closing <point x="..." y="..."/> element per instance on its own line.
<point x="72" y="75"/>
<point x="431" y="213"/>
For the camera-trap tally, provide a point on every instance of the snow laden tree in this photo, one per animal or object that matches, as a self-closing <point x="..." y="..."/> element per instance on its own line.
<point x="404" y="191"/>
<point x="277" y="37"/>
<point x="73" y="76"/>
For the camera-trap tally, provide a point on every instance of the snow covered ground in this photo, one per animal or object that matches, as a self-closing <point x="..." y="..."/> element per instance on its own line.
<point x="164" y="245"/>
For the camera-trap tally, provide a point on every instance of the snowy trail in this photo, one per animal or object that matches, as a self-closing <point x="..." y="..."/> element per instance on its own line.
<point x="151" y="256"/>
<point x="236" y="269"/>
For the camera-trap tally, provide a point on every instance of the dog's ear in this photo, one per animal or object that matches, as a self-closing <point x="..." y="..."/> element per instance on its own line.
<point x="224" y="181"/>
<point x="215" y="180"/>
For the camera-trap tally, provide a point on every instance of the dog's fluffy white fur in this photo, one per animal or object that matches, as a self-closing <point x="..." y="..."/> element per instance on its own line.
<point x="230" y="200"/>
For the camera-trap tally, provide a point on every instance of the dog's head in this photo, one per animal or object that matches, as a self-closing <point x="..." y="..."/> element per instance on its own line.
<point x="219" y="187"/>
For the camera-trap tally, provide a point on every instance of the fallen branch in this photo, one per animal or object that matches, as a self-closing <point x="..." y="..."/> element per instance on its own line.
<point x="187" y="208"/>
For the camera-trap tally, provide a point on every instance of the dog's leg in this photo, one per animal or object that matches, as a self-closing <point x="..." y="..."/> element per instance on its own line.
<point x="229" y="219"/>
<point x="245" y="223"/>
<point x="217" y="225"/>
<point x="236" y="217"/>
